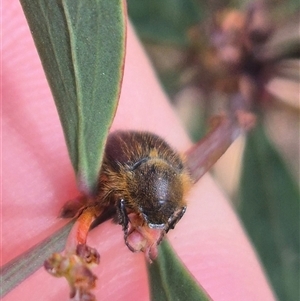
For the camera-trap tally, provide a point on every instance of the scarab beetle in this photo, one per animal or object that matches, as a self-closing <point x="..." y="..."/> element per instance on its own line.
<point x="145" y="180"/>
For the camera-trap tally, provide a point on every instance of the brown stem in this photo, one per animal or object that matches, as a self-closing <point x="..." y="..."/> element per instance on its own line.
<point x="79" y="232"/>
<point x="208" y="150"/>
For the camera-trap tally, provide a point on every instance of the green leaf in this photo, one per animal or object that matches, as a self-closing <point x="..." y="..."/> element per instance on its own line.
<point x="270" y="211"/>
<point x="81" y="45"/>
<point x="21" y="267"/>
<point x="170" y="280"/>
<point x="165" y="21"/>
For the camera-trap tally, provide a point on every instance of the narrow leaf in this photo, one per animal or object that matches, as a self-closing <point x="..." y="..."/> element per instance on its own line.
<point x="21" y="267"/>
<point x="82" y="46"/>
<point x="170" y="279"/>
<point x="270" y="211"/>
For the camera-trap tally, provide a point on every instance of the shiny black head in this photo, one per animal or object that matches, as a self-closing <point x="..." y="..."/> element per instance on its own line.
<point x="157" y="193"/>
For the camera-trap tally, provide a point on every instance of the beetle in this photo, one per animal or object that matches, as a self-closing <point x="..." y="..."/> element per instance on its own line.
<point x="145" y="180"/>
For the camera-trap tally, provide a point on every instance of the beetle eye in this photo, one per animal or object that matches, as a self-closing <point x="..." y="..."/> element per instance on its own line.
<point x="138" y="163"/>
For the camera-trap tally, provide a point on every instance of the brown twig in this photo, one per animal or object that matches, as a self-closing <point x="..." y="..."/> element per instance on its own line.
<point x="204" y="154"/>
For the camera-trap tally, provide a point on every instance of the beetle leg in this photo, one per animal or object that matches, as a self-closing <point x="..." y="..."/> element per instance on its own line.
<point x="175" y="218"/>
<point x="124" y="221"/>
<point x="122" y="215"/>
<point x="162" y="234"/>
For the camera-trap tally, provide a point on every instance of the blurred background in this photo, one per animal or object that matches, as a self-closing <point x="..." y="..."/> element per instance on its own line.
<point x="227" y="56"/>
